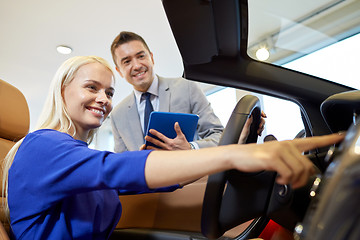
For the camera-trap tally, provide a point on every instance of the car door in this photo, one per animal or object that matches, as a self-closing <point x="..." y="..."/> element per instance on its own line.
<point x="217" y="44"/>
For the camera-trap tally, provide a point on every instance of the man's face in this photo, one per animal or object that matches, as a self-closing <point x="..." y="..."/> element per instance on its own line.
<point x="135" y="63"/>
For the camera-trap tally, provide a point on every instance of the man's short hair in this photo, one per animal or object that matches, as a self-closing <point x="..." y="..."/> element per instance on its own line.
<point x="125" y="37"/>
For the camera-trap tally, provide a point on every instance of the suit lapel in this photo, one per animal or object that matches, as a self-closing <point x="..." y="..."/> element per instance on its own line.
<point x="134" y="124"/>
<point x="164" y="95"/>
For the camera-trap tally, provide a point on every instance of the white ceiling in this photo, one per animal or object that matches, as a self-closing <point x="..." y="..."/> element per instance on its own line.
<point x="31" y="30"/>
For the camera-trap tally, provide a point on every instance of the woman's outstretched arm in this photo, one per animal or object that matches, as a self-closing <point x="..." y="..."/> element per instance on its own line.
<point x="165" y="168"/>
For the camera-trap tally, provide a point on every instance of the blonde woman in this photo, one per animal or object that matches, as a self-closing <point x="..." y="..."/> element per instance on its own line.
<point x="58" y="188"/>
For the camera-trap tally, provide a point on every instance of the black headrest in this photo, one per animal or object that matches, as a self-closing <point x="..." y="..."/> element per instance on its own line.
<point x="340" y="110"/>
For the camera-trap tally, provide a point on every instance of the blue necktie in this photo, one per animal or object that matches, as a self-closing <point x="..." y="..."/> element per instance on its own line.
<point x="148" y="109"/>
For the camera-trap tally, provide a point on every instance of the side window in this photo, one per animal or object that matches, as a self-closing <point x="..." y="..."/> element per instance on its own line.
<point x="103" y="139"/>
<point x="283" y="117"/>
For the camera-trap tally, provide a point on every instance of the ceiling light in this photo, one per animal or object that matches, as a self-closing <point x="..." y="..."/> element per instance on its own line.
<point x="262" y="54"/>
<point x="64" y="49"/>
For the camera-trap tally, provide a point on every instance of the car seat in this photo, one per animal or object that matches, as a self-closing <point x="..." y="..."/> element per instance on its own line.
<point x="14" y="125"/>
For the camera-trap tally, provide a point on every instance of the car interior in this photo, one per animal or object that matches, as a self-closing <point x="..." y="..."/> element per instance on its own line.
<point x="14" y="125"/>
<point x="213" y="39"/>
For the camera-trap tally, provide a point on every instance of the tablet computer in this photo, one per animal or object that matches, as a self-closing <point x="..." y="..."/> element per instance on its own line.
<point x="164" y="122"/>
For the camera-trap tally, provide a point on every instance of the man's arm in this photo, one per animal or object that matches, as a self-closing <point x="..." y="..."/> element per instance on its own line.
<point x="209" y="127"/>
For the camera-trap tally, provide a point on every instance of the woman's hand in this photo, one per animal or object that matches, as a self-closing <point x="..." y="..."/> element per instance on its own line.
<point x="284" y="157"/>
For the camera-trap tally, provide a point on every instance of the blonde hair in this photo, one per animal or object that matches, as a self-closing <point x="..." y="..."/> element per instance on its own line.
<point x="54" y="114"/>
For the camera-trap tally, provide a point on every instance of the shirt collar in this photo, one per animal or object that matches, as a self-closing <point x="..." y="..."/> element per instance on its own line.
<point x="153" y="89"/>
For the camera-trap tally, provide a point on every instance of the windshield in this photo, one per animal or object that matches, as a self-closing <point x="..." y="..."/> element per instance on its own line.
<point x="320" y="37"/>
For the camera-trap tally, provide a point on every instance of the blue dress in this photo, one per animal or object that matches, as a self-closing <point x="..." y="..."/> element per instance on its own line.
<point x="61" y="189"/>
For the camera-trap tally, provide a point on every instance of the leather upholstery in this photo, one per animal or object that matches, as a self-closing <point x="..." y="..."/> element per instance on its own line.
<point x="14" y="117"/>
<point x="14" y="125"/>
<point x="178" y="210"/>
<point x="175" y="211"/>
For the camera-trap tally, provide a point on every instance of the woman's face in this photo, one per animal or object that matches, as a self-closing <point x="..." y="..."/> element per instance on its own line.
<point x="88" y="97"/>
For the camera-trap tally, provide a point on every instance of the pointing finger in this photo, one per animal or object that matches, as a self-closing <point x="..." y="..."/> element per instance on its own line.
<point x="305" y="144"/>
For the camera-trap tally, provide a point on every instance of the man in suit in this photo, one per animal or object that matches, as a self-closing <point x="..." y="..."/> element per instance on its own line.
<point x="134" y="62"/>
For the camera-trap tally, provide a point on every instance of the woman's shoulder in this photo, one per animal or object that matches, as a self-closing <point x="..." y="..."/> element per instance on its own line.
<point x="46" y="142"/>
<point x="49" y="133"/>
<point x="48" y="137"/>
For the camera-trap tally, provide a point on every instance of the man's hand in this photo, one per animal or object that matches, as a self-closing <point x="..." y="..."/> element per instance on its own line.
<point x="246" y="129"/>
<point x="178" y="143"/>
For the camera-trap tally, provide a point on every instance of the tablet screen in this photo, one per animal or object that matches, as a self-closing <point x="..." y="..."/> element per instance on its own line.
<point x="164" y="123"/>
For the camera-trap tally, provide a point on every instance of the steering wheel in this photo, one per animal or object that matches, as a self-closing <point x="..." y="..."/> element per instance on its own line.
<point x="233" y="197"/>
